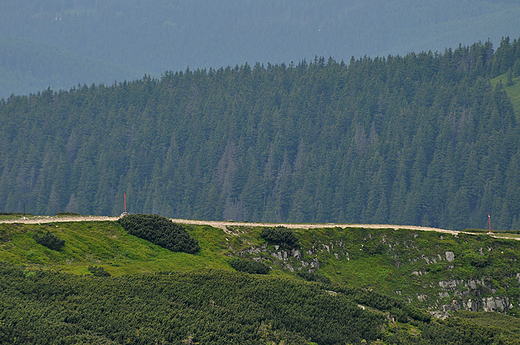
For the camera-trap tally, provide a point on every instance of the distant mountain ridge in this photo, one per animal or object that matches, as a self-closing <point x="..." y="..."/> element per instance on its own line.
<point x="159" y="36"/>
<point x="27" y="66"/>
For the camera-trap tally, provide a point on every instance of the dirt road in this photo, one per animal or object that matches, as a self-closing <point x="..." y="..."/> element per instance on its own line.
<point x="55" y="219"/>
<point x="223" y="224"/>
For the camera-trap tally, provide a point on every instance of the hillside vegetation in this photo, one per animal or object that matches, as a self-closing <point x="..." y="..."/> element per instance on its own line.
<point x="439" y="271"/>
<point x="210" y="307"/>
<point x="154" y="294"/>
<point x="105" y="244"/>
<point x="422" y="139"/>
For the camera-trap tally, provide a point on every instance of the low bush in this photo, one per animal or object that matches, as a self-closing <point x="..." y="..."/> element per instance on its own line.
<point x="475" y="259"/>
<point x="279" y="235"/>
<point x="160" y="231"/>
<point x="249" y="266"/>
<point x="98" y="271"/>
<point x="374" y="248"/>
<point x="50" y="241"/>
<point x="313" y="277"/>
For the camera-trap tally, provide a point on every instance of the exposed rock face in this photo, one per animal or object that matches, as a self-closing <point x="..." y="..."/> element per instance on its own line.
<point x="281" y="255"/>
<point x="450" y="283"/>
<point x="472" y="305"/>
<point x="496" y="304"/>
<point x="290" y="259"/>
<point x="439" y="314"/>
<point x="450" y="256"/>
<point x="473" y="287"/>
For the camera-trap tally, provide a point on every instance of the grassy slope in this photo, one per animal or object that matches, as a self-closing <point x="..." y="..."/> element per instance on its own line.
<point x="405" y="263"/>
<point x="106" y="244"/>
<point x="412" y="263"/>
<point x="513" y="91"/>
<point x="382" y="260"/>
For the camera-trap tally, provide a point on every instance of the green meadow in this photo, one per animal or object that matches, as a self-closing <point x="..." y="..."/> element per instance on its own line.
<point x="106" y="244"/>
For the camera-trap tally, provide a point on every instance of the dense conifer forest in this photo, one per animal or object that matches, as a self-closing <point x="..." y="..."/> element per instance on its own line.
<point x="420" y="139"/>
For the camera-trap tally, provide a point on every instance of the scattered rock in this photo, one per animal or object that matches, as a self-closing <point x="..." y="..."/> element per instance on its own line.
<point x="440" y="314"/>
<point x="422" y="297"/>
<point x="297" y="254"/>
<point x="450" y="283"/>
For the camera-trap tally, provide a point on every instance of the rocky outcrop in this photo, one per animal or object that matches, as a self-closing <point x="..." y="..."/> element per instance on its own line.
<point x="500" y="304"/>
<point x="291" y="259"/>
<point x="466" y="295"/>
<point x="410" y="254"/>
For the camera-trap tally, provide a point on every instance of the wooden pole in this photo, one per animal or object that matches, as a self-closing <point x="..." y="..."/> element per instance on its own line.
<point x="489" y="219"/>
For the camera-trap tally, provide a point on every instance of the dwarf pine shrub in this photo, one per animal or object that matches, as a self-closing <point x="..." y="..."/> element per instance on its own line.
<point x="50" y="241"/>
<point x="160" y="231"/>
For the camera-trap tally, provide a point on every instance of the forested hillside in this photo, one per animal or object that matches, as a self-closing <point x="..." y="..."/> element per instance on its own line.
<point x="422" y="139"/>
<point x="156" y="35"/>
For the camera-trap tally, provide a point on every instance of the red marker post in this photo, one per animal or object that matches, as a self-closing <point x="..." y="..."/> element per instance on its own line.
<point x="489" y="219"/>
